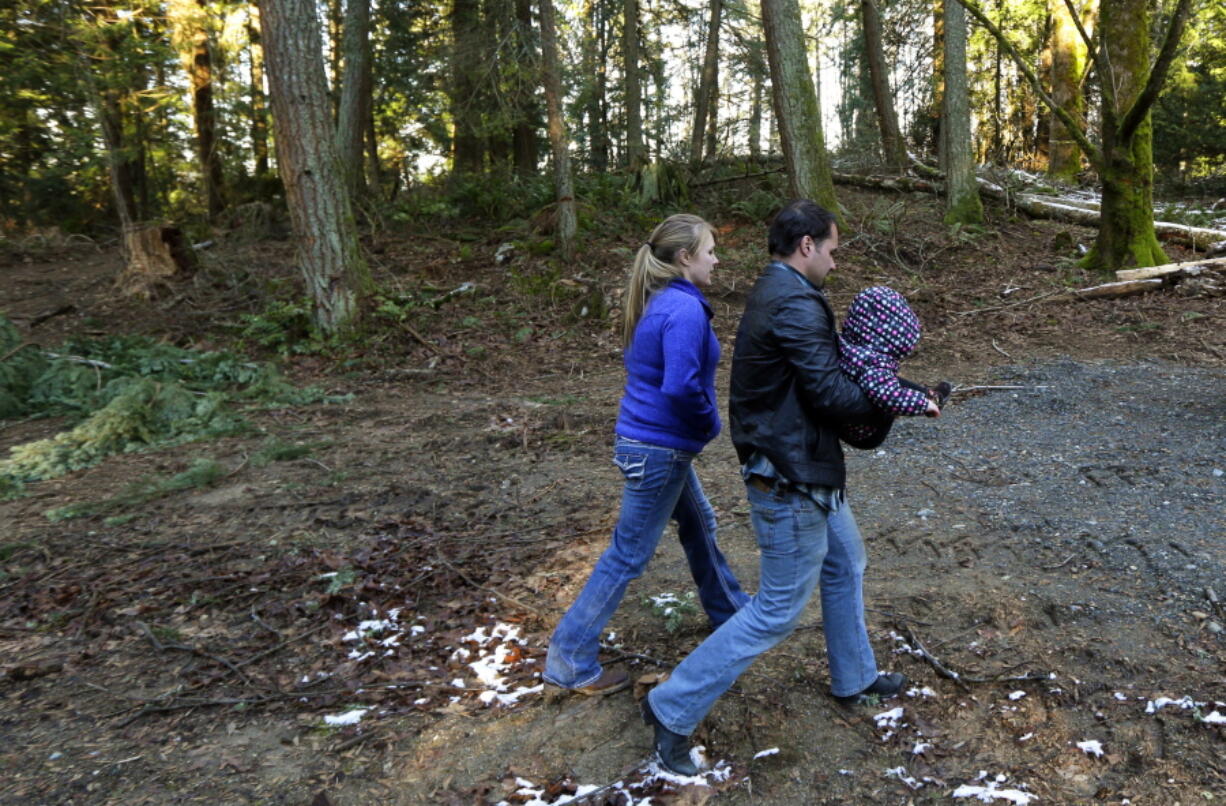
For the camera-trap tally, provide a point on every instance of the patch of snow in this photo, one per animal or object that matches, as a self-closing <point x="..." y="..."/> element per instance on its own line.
<point x="352" y="717"/>
<point x="1017" y="695"/>
<point x="901" y="774"/>
<point x="1091" y="747"/>
<point x="1186" y="703"/>
<point x="770" y="751"/>
<point x="992" y="791"/>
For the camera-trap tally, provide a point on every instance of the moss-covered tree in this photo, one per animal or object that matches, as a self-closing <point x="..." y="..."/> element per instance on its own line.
<point x="1129" y="86"/>
<point x="962" y="204"/>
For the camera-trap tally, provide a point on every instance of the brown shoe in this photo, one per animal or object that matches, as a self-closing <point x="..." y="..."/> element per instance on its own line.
<point x="609" y="682"/>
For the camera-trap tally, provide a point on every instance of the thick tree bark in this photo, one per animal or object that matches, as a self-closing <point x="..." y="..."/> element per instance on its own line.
<point x="635" y="153"/>
<point x="468" y="152"/>
<point x="962" y="204"/>
<point x="1067" y="68"/>
<point x="558" y="142"/>
<point x="333" y="268"/>
<point x="355" y="95"/>
<point x="796" y="106"/>
<point x="892" y="147"/>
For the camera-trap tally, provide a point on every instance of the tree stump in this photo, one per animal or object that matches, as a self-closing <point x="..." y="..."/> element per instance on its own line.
<point x="156" y="254"/>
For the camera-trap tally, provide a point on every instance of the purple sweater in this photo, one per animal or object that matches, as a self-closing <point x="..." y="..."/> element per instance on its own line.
<point x="669" y="398"/>
<point x="880" y="330"/>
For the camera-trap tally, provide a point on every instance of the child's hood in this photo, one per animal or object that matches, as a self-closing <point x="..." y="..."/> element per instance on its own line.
<point x="880" y="319"/>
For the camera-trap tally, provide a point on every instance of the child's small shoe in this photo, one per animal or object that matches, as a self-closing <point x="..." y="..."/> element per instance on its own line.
<point x="940" y="393"/>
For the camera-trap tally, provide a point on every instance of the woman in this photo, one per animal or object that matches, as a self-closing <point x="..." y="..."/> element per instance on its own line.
<point x="668" y="414"/>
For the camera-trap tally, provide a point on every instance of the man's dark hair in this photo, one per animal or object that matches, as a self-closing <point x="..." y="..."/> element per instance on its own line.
<point x="794" y="222"/>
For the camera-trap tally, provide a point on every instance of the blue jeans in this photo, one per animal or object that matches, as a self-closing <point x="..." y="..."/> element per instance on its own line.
<point x="799" y="540"/>
<point x="660" y="484"/>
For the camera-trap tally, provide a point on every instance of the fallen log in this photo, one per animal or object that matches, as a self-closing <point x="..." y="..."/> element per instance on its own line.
<point x="1057" y="208"/>
<point x="1126" y="288"/>
<point x="1173" y="271"/>
<point x="879" y="182"/>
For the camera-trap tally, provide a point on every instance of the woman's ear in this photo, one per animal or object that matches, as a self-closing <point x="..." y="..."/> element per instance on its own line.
<point x="683" y="256"/>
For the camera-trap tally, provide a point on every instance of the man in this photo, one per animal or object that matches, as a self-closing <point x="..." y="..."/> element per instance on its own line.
<point x="787" y="401"/>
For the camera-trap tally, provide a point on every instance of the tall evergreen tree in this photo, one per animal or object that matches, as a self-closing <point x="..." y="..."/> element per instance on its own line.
<point x="707" y="85"/>
<point x="631" y="69"/>
<point x="468" y="151"/>
<point x="354" y="105"/>
<point x="551" y="76"/>
<point x="797" y="112"/>
<point x="962" y="203"/>
<point x="333" y="268"/>
<point x="893" y="148"/>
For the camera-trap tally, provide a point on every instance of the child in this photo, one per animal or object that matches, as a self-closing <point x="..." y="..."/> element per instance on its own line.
<point x="879" y="331"/>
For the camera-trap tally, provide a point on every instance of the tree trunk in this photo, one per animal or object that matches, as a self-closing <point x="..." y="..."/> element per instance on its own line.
<point x="99" y="54"/>
<point x="962" y="204"/>
<point x="333" y="268"/>
<point x="524" y="97"/>
<point x="892" y="146"/>
<point x="467" y="151"/>
<point x="355" y="95"/>
<point x="755" y="110"/>
<point x="1068" y="66"/>
<point x="796" y="106"/>
<point x="259" y="110"/>
<point x="933" y="133"/>
<point x="633" y="85"/>
<point x="552" y="80"/>
<point x="594" y="59"/>
<point x="200" y="72"/>
<point x="155" y="255"/>
<point x="712" y="118"/>
<point x="1126" y="235"/>
<point x="706" y="84"/>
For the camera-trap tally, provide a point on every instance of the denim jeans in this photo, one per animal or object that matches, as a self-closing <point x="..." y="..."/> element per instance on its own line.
<point x="801" y="539"/>
<point x="660" y="484"/>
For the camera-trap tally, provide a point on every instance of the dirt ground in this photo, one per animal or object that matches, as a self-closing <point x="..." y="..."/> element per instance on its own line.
<point x="1044" y="557"/>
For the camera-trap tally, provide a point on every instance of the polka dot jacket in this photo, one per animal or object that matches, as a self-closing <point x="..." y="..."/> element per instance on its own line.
<point x="879" y="331"/>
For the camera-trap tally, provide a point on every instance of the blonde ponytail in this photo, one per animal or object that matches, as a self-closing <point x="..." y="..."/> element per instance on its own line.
<point x="656" y="264"/>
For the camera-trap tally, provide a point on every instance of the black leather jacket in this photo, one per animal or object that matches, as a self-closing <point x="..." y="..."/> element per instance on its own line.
<point x="788" y="395"/>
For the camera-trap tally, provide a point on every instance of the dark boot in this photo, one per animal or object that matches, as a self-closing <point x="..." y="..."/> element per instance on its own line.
<point x="672" y="749"/>
<point x="887" y="685"/>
